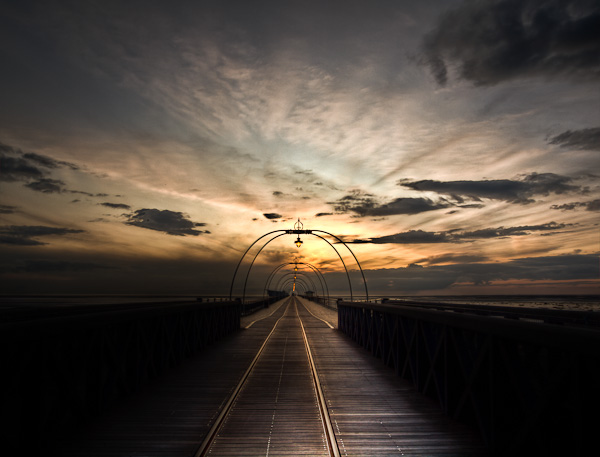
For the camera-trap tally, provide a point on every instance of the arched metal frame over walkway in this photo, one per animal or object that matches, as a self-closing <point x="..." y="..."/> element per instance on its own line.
<point x="298" y="230"/>
<point x="321" y="278"/>
<point x="305" y="278"/>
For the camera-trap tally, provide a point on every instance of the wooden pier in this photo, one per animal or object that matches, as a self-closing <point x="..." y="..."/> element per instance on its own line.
<point x="202" y="378"/>
<point x="230" y="400"/>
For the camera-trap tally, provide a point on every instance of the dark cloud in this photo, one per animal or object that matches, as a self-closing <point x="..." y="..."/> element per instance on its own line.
<point x="36" y="230"/>
<point x="32" y="169"/>
<point x="579" y="139"/>
<point x="102" y="272"/>
<point x="51" y="266"/>
<point x="501" y="232"/>
<point x="406" y="206"/>
<point x="277" y="193"/>
<point x="24" y="235"/>
<point x="171" y="222"/>
<point x="412" y="237"/>
<point x="323" y="214"/>
<point x="593" y="205"/>
<point x="457" y="236"/>
<point x="563" y="267"/>
<point x="19" y="241"/>
<point x="494" y="41"/>
<point x="115" y="205"/>
<point x="512" y="191"/>
<point x="366" y="205"/>
<point x="452" y="258"/>
<point x="19" y="166"/>
<point x="7" y="209"/>
<point x="47" y="185"/>
<point x="437" y="277"/>
<point x="48" y="162"/>
<point x="307" y="173"/>
<point x="569" y="206"/>
<point x="89" y="194"/>
<point x="272" y="216"/>
<point x="18" y="169"/>
<point x="470" y="205"/>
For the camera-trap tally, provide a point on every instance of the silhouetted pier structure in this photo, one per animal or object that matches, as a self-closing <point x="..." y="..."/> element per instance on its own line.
<point x="181" y="379"/>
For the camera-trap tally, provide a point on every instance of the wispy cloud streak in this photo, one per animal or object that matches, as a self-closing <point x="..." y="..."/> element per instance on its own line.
<point x="460" y="236"/>
<point x="513" y="191"/>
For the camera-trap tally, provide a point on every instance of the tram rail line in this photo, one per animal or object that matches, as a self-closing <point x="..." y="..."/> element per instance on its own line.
<point x="214" y="430"/>
<point x="205" y="447"/>
<point x="328" y="428"/>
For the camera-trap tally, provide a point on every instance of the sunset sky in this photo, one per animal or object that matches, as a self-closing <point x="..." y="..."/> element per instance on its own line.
<point x="454" y="145"/>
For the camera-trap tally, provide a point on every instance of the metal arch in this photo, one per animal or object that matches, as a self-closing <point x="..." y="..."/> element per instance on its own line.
<point x="319" y="275"/>
<point x="322" y="281"/>
<point x="287" y="232"/>
<point x="357" y="262"/>
<point x="272" y="275"/>
<point x="315" y="270"/>
<point x="304" y="275"/>
<point x="253" y="260"/>
<point x="244" y="255"/>
<point x="298" y="283"/>
<point x="343" y="263"/>
<point x="285" y="278"/>
<point x="306" y="232"/>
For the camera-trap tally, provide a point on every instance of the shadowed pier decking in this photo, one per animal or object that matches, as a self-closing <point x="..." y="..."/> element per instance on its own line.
<point x="276" y="412"/>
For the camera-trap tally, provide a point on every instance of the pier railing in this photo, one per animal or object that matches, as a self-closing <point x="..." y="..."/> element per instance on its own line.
<point x="256" y="305"/>
<point x="63" y="365"/>
<point x="528" y="387"/>
<point x="327" y="302"/>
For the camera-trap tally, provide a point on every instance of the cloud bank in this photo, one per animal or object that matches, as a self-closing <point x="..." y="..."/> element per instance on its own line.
<point x="415" y="277"/>
<point x="489" y="42"/>
<point x="519" y="191"/>
<point x="115" y="205"/>
<point x="272" y="216"/>
<point x="33" y="170"/>
<point x="457" y="236"/>
<point x="7" y="209"/>
<point x="26" y="235"/>
<point x="170" y="222"/>
<point x="579" y="139"/>
<point x="363" y="205"/>
<point x="593" y="205"/>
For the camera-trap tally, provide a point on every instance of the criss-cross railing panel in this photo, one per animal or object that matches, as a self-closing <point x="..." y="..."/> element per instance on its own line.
<point x="527" y="387"/>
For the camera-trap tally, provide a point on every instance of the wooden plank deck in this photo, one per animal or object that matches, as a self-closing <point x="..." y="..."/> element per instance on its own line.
<point x="276" y="413"/>
<point x="171" y="416"/>
<point x="373" y="412"/>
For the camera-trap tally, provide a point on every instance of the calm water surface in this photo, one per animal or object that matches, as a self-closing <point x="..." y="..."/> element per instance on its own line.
<point x="563" y="302"/>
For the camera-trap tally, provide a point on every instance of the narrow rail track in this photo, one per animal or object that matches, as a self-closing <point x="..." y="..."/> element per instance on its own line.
<point x="278" y="407"/>
<point x="328" y="428"/>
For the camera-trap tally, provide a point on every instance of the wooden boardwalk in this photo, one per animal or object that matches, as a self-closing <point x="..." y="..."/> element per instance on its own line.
<point x="276" y="411"/>
<point x="373" y="411"/>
